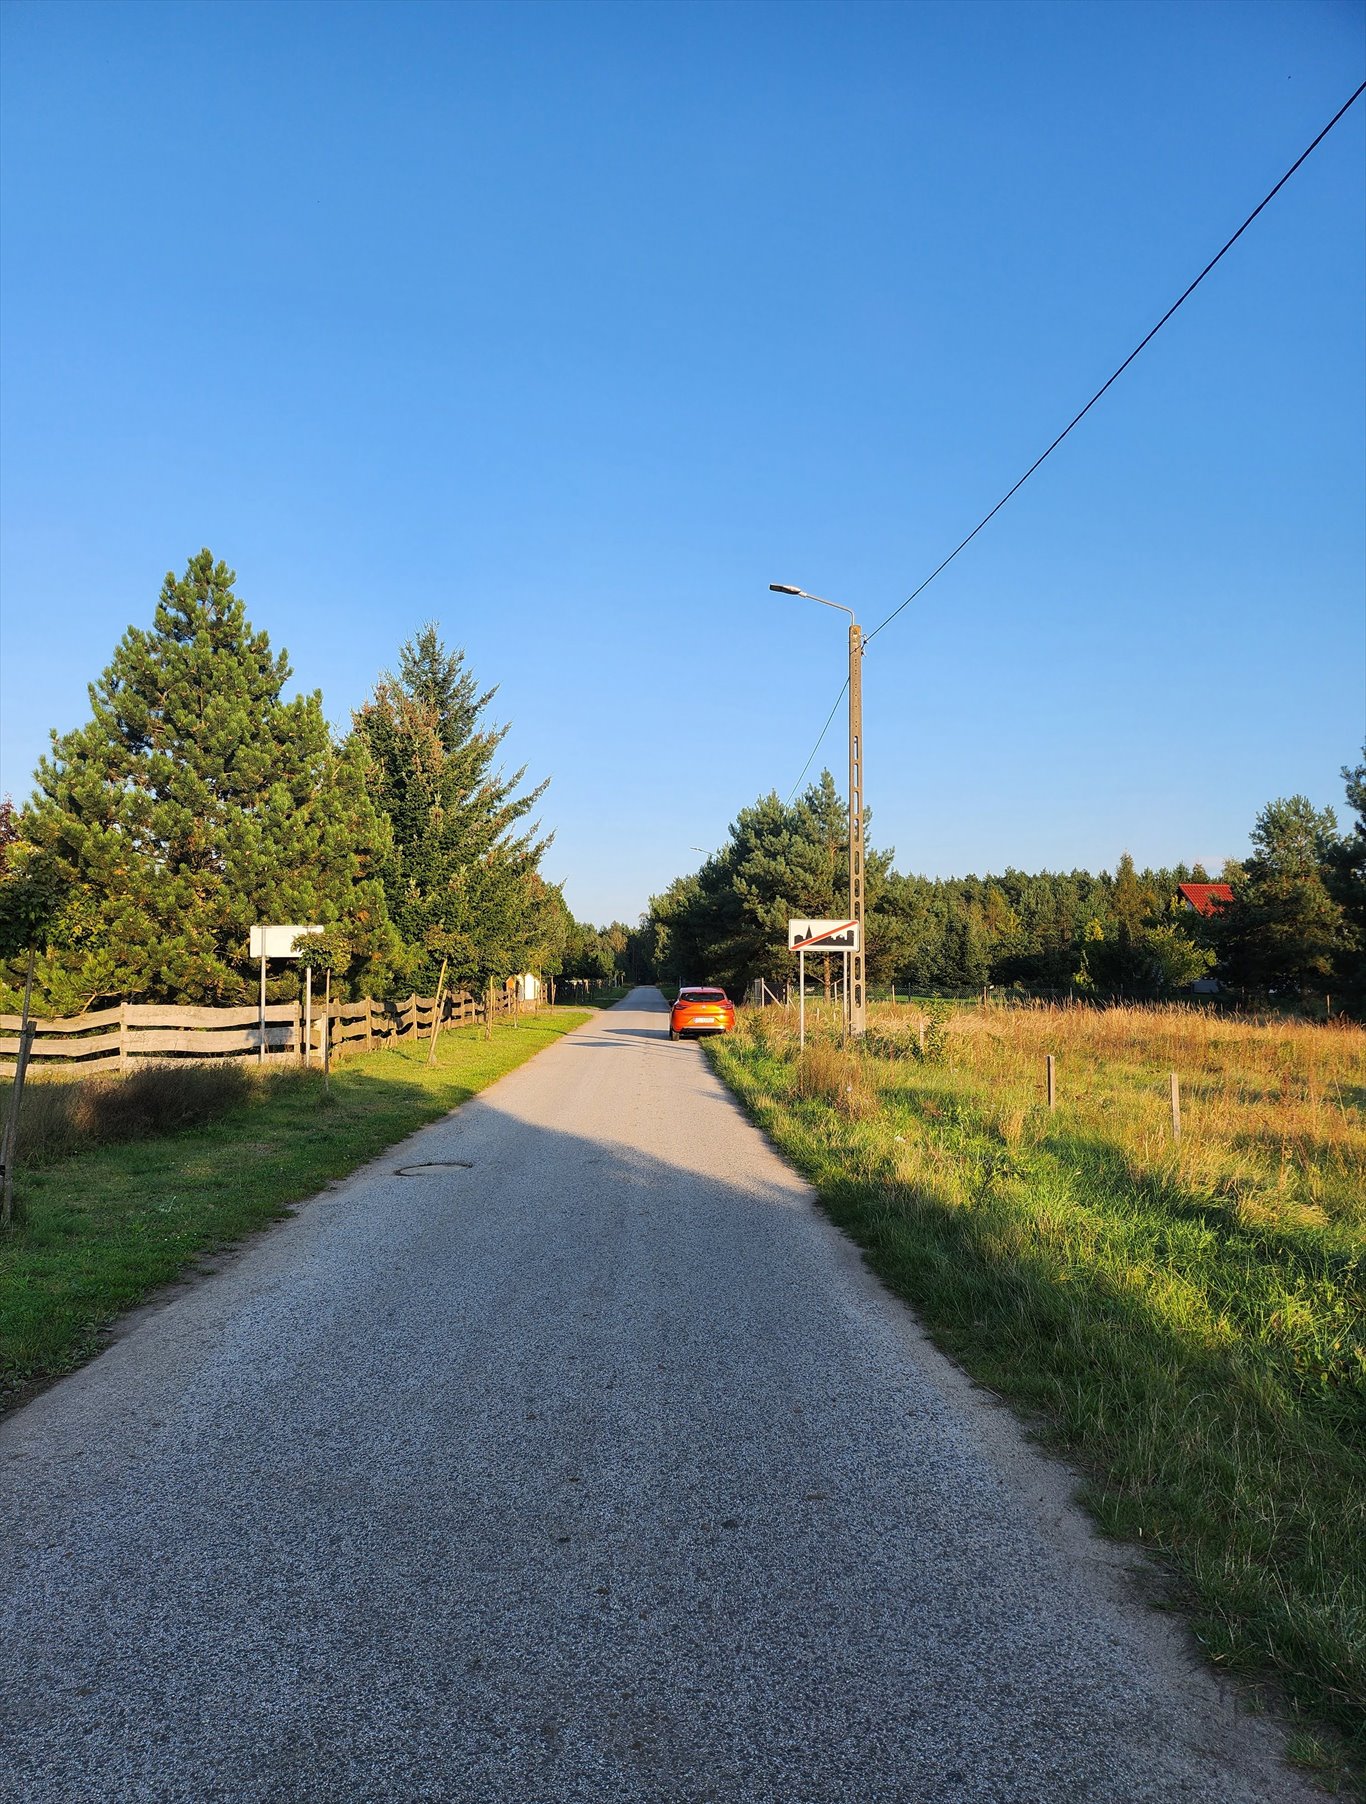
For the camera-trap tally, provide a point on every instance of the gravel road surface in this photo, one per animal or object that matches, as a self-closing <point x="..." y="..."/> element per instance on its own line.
<point x="585" y="1464"/>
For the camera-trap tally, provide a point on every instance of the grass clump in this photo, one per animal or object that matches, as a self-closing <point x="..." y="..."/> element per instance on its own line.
<point x="828" y="1073"/>
<point x="1185" y="1318"/>
<point x="106" y="1224"/>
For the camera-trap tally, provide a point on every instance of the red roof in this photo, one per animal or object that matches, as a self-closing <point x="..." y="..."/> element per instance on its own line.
<point x="1206" y="898"/>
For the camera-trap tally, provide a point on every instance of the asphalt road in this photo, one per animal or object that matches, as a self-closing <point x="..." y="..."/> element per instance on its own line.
<point x="589" y="1466"/>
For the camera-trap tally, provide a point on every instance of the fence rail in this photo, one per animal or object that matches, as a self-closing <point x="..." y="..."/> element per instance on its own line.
<point x="134" y="1033"/>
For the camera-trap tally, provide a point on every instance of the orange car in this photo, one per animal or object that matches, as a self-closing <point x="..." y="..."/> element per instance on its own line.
<point x="701" y="1011"/>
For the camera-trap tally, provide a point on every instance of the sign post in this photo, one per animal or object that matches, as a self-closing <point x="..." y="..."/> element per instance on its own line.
<point x="275" y="942"/>
<point x="826" y="936"/>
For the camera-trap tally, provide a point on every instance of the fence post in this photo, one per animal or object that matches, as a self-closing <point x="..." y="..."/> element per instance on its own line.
<point x="1052" y="1084"/>
<point x="369" y="1024"/>
<point x="1176" y="1107"/>
<point x="327" y="1033"/>
<point x="26" y="1036"/>
<point x="123" y="1038"/>
<point x="11" y="1134"/>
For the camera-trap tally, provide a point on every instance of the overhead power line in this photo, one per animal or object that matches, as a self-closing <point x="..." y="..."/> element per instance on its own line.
<point x="1142" y="345"/>
<point x="821" y="735"/>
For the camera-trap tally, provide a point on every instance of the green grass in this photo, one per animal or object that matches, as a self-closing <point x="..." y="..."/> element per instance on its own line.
<point x="105" y="1227"/>
<point x="604" y="997"/>
<point x="1187" y="1332"/>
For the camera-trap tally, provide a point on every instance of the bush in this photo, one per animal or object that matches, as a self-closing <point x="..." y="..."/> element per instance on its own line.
<point x="66" y="1116"/>
<point x="937" y="1017"/>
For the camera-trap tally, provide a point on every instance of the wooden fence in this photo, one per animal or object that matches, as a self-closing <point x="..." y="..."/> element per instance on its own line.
<point x="138" y="1033"/>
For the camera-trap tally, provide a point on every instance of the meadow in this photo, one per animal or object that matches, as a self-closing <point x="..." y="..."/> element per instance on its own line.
<point x="1182" y="1317"/>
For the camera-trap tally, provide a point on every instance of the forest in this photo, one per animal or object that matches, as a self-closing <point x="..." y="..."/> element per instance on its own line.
<point x="1294" y="928"/>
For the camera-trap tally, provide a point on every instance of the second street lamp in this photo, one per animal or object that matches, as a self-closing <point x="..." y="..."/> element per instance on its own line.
<point x="857" y="1004"/>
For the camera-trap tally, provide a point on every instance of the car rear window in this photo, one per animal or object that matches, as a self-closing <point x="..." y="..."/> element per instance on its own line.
<point x="701" y="995"/>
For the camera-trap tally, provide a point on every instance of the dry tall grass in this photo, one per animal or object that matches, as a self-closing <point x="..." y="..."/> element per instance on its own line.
<point x="836" y="1076"/>
<point x="65" y="1115"/>
<point x="1273" y="1114"/>
<point x="1187" y="1318"/>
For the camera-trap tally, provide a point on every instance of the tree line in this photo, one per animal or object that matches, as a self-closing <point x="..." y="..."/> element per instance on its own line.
<point x="197" y="801"/>
<point x="1295" y="926"/>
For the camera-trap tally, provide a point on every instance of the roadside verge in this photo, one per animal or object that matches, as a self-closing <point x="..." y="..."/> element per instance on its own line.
<point x="106" y="1227"/>
<point x="1161" y="1343"/>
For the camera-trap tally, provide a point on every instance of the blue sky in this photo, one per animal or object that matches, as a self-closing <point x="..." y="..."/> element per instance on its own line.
<point x="572" y="327"/>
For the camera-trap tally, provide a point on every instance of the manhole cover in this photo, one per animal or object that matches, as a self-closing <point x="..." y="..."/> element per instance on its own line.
<point x="416" y="1171"/>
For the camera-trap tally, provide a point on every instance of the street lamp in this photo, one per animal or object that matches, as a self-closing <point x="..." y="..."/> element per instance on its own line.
<point x="858" y="1020"/>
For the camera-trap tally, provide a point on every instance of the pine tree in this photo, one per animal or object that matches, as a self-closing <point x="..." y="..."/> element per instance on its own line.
<point x="1348" y="883"/>
<point x="782" y="860"/>
<point x="461" y="884"/>
<point x="194" y="803"/>
<point x="1284" y="928"/>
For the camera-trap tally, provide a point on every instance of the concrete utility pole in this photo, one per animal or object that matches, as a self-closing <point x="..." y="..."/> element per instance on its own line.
<point x="856" y="999"/>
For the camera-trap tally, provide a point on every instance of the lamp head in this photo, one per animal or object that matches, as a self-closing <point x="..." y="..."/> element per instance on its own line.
<point x="784" y="589"/>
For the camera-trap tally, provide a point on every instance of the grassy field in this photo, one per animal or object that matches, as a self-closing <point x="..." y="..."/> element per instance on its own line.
<point x="1185" y="1320"/>
<point x="104" y="1226"/>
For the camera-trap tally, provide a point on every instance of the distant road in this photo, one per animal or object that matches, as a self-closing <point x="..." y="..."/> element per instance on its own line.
<point x="587" y="1465"/>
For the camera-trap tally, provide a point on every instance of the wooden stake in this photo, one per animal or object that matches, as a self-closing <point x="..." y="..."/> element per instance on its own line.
<point x="1176" y="1107"/>
<point x="1052" y="1084"/>
<point x="327" y="1033"/>
<point x="11" y="1135"/>
<point x="436" y="1013"/>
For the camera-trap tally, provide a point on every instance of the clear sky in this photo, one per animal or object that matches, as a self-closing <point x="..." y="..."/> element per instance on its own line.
<point x="572" y="327"/>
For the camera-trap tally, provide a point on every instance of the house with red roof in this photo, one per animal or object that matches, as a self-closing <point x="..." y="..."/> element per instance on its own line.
<point x="1205" y="898"/>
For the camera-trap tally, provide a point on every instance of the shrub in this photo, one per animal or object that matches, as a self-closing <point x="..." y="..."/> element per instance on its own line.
<point x="937" y="1015"/>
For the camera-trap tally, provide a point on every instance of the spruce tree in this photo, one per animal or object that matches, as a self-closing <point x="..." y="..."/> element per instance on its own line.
<point x="196" y="802"/>
<point x="461" y="882"/>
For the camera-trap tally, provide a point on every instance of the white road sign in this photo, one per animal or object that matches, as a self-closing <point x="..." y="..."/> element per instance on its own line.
<point x="278" y="942"/>
<point x="822" y="936"/>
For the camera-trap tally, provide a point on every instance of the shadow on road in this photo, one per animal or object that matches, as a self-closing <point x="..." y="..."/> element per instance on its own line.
<point x="575" y="1465"/>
